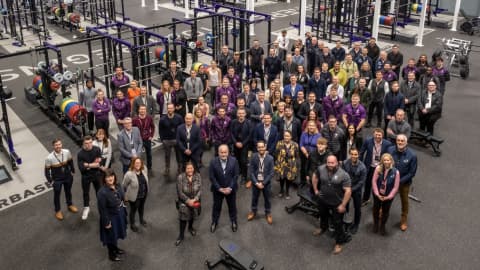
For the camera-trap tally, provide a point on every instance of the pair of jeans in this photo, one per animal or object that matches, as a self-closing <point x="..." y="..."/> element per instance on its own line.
<point x="168" y="145"/>
<point x="378" y="108"/>
<point x="138" y="204"/>
<point x="86" y="181"/>
<point x="341" y="236"/>
<point x="266" y="197"/>
<point x="241" y="154"/>
<point x="57" y="189"/>
<point x="357" y="206"/>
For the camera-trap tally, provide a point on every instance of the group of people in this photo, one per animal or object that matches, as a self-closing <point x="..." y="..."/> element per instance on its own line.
<point x="308" y="125"/>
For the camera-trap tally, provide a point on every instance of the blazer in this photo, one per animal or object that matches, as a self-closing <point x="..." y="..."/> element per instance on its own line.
<point x="130" y="184"/>
<point x="367" y="150"/>
<point x="259" y="135"/>
<point x="287" y="90"/>
<point x="305" y="109"/>
<point x="241" y="132"/>
<point x="195" y="141"/>
<point x="256" y="111"/>
<point x="296" y="128"/>
<point x="150" y="103"/>
<point x="223" y="179"/>
<point x="437" y="102"/>
<point x="125" y="145"/>
<point x="268" y="168"/>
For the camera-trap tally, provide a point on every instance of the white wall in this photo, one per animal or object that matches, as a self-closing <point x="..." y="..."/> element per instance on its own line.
<point x="471" y="7"/>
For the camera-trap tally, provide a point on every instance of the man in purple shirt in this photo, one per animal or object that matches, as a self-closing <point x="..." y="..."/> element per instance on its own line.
<point x="120" y="81"/>
<point x="354" y="113"/>
<point x="220" y="129"/>
<point x="227" y="106"/>
<point x="235" y="80"/>
<point x="332" y="104"/>
<point x="225" y="89"/>
<point x="388" y="74"/>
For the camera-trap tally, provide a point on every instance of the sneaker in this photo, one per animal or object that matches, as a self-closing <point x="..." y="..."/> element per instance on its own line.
<point x="280" y="195"/>
<point x="85" y="212"/>
<point x="72" y="209"/>
<point x="287" y="197"/>
<point x="59" y="215"/>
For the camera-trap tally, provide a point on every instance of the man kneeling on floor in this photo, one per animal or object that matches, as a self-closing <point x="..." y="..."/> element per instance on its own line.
<point x="332" y="186"/>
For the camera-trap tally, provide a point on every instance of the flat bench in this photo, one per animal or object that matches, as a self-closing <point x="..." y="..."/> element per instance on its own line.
<point x="428" y="139"/>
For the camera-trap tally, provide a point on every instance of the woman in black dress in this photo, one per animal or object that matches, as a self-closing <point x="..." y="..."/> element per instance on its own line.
<point x="113" y="220"/>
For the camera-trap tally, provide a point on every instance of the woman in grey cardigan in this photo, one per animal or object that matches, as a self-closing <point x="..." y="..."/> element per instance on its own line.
<point x="189" y="185"/>
<point x="135" y="185"/>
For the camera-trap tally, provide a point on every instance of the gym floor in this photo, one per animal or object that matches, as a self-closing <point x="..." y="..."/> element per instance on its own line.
<point x="443" y="231"/>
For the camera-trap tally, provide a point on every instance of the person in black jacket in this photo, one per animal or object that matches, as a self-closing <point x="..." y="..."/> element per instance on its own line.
<point x="173" y="73"/>
<point x="395" y="57"/>
<point x="88" y="161"/>
<point x="180" y="99"/>
<point x="273" y="66"/>
<point x="167" y="129"/>
<point x="241" y="134"/>
<point x="429" y="107"/>
<point x="317" y="158"/>
<point x="113" y="218"/>
<point x="291" y="123"/>
<point x="224" y="58"/>
<point x="411" y="91"/>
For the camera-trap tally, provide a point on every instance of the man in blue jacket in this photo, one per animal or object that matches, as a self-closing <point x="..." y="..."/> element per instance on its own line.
<point x="261" y="172"/>
<point x="372" y="149"/>
<point x="266" y="132"/>
<point x="223" y="173"/>
<point x="406" y="163"/>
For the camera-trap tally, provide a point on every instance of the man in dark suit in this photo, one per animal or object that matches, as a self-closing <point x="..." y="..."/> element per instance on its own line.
<point x="310" y="105"/>
<point x="291" y="123"/>
<point x="130" y="143"/>
<point x="372" y="150"/>
<point x="223" y="173"/>
<point x="261" y="172"/>
<point x="144" y="99"/>
<point x="260" y="107"/>
<point x="266" y="132"/>
<point x="188" y="142"/>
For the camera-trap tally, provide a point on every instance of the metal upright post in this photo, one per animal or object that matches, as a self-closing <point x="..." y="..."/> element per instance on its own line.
<point x="422" y="24"/>
<point x="455" y="15"/>
<point x="376" y="19"/>
<point x="303" y="19"/>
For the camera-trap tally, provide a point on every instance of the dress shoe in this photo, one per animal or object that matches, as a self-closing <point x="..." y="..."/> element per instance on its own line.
<point x="178" y="242"/>
<point x="143" y="222"/>
<point x="192" y="231"/>
<point x="353" y="229"/>
<point x="337" y="249"/>
<point x="269" y="219"/>
<point x="251" y="216"/>
<point x="59" y="215"/>
<point x="234" y="226"/>
<point x="134" y="228"/>
<point x="115" y="258"/>
<point x="213" y="227"/>
<point x="318" y="232"/>
<point x="248" y="184"/>
<point x="72" y="209"/>
<point x="120" y="251"/>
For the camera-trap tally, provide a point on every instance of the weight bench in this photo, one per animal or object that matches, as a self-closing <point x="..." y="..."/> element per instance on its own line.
<point x="307" y="203"/>
<point x="234" y="257"/>
<point x="427" y="138"/>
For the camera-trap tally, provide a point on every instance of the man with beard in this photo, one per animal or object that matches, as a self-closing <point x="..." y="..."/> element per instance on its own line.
<point x="332" y="186"/>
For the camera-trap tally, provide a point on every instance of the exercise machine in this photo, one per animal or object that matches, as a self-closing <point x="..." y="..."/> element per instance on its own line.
<point x="234" y="257"/>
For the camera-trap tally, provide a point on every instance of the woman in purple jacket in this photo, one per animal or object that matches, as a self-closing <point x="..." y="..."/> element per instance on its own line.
<point x="101" y="109"/>
<point x="121" y="108"/>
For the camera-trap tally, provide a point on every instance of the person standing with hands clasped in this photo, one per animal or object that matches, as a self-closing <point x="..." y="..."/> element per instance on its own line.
<point x="332" y="186"/>
<point x="89" y="160"/>
<point x="261" y="169"/>
<point x="385" y="182"/>
<point x="223" y="173"/>
<point x="59" y="172"/>
<point x="135" y="184"/>
<point x="113" y="220"/>
<point x="189" y="190"/>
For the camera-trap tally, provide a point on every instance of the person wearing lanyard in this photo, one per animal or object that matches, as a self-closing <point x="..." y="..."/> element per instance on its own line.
<point x="193" y="88"/>
<point x="129" y="142"/>
<point x="167" y="128"/>
<point x="189" y="143"/>
<point x="144" y="123"/>
<point x="308" y="143"/>
<point x="372" y="149"/>
<point x="385" y="182"/>
<point x="59" y="172"/>
<point x="261" y="169"/>
<point x="145" y="99"/>
<point x="165" y="96"/>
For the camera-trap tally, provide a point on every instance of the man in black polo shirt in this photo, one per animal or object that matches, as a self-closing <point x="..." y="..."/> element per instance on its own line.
<point x="332" y="186"/>
<point x="255" y="60"/>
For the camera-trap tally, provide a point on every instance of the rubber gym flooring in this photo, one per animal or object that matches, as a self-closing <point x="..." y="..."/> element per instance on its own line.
<point x="443" y="231"/>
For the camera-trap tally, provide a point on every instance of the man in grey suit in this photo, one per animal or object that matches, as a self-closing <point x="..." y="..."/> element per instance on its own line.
<point x="193" y="87"/>
<point x="144" y="99"/>
<point x="129" y="142"/>
<point x="259" y="107"/>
